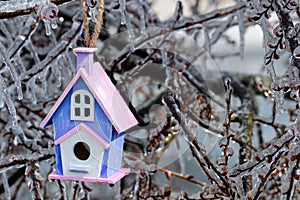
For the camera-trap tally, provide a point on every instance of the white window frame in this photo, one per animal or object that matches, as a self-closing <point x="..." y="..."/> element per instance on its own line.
<point x="82" y="106"/>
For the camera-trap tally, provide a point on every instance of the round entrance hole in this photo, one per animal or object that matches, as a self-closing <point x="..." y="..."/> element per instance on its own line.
<point x="82" y="151"/>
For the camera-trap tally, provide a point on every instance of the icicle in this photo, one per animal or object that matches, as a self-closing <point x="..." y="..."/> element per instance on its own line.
<point x="6" y="186"/>
<point x="47" y="27"/>
<point x="141" y="13"/>
<point x="48" y="13"/>
<point x="122" y="10"/>
<point x="57" y="68"/>
<point x="19" y="91"/>
<point x="68" y="62"/>
<point x="242" y="30"/>
<point x="1" y="102"/>
<point x="207" y="40"/>
<point x="164" y="57"/>
<point x="32" y="86"/>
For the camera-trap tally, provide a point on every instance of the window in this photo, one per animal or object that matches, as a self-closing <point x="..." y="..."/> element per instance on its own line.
<point x="82" y="151"/>
<point x="82" y="106"/>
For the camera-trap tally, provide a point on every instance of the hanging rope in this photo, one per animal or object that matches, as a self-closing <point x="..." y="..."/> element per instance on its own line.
<point x="91" y="42"/>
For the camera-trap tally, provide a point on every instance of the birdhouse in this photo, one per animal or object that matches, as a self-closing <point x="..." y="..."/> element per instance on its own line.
<point x="89" y="120"/>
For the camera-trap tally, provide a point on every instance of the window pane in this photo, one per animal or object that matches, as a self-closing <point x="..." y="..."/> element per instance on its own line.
<point x="77" y="98"/>
<point x="77" y="111"/>
<point x="87" y="112"/>
<point x="87" y="99"/>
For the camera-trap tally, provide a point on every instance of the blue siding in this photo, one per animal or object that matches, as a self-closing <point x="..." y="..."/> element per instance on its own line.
<point x="103" y="173"/>
<point x="63" y="124"/>
<point x="59" y="169"/>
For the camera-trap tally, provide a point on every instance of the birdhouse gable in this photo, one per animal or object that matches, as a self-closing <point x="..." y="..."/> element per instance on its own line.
<point x="88" y="130"/>
<point x="82" y="152"/>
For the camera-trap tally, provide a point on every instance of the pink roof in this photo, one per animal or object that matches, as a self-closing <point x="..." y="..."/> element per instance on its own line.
<point x="105" y="94"/>
<point x="87" y="130"/>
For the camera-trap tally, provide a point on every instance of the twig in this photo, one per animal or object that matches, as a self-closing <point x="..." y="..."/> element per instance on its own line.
<point x="22" y="161"/>
<point x="53" y="58"/>
<point x="187" y="178"/>
<point x="266" y="176"/>
<point x="197" y="149"/>
<point x="5" y="15"/>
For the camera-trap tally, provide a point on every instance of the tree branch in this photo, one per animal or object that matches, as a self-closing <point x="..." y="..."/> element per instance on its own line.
<point x="27" y="11"/>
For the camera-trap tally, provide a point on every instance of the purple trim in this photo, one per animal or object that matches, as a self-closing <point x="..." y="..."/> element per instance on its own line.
<point x="88" y="130"/>
<point x="106" y="95"/>
<point x="84" y="50"/>
<point x="111" y="180"/>
<point x="85" y="59"/>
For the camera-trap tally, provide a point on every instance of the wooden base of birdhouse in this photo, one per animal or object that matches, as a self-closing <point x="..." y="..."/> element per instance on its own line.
<point x="110" y="180"/>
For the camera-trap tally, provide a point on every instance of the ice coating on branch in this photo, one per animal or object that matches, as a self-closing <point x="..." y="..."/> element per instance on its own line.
<point x="221" y="29"/>
<point x="276" y="146"/>
<point x="5" y="31"/>
<point x="12" y="69"/>
<point x="13" y="5"/>
<point x="26" y="32"/>
<point x="48" y="13"/>
<point x="93" y="6"/>
<point x="8" y="101"/>
<point x="61" y="192"/>
<point x="33" y="51"/>
<point x="34" y="179"/>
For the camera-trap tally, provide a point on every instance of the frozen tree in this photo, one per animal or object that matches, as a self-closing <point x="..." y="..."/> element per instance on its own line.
<point x="202" y="134"/>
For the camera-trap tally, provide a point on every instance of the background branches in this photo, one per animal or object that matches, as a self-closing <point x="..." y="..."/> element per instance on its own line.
<point x="202" y="134"/>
